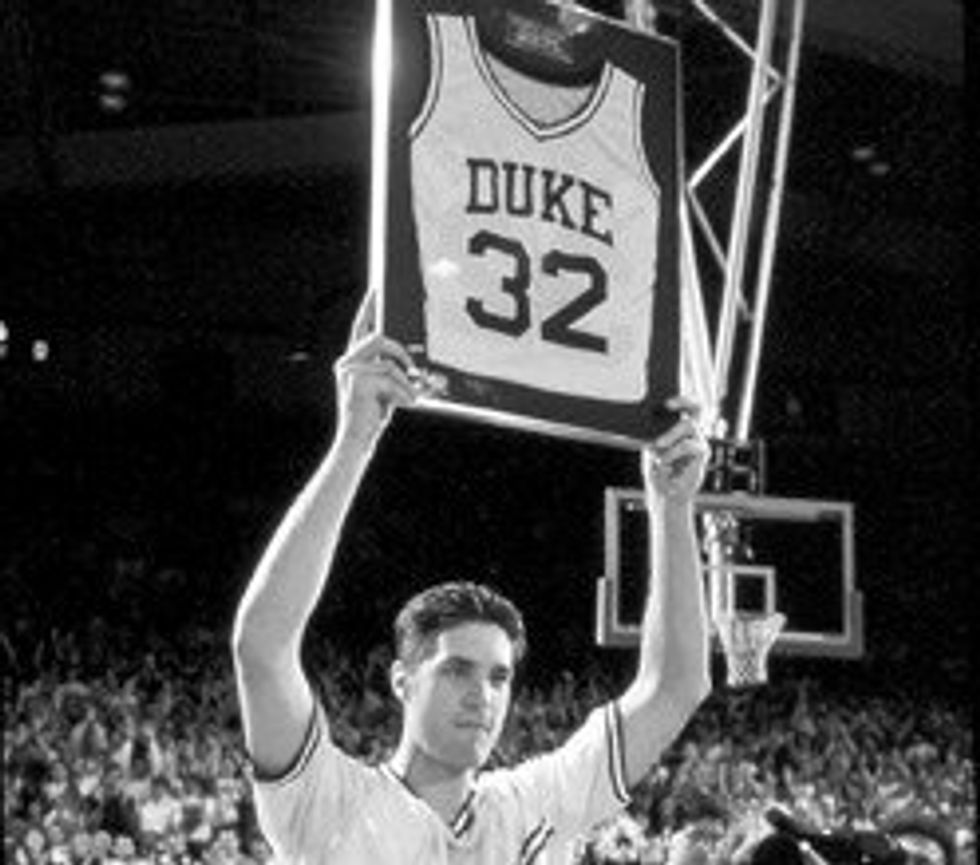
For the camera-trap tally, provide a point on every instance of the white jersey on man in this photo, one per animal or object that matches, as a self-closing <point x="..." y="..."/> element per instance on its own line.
<point x="331" y="809"/>
<point x="537" y="240"/>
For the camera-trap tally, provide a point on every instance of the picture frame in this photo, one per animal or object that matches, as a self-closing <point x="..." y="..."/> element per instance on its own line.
<point x="529" y="263"/>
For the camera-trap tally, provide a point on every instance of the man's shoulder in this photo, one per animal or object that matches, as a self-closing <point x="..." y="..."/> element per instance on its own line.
<point x="502" y="780"/>
<point x="594" y="726"/>
<point x="322" y="753"/>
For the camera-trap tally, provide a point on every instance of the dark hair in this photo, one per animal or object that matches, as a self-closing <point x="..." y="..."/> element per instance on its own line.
<point x="447" y="605"/>
<point x="688" y="804"/>
<point x="777" y="849"/>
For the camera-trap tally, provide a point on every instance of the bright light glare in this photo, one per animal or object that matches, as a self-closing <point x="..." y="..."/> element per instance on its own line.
<point x="444" y="268"/>
<point x="383" y="63"/>
<point x="115" y="79"/>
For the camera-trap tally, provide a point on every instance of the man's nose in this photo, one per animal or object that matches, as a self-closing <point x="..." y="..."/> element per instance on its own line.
<point x="479" y="692"/>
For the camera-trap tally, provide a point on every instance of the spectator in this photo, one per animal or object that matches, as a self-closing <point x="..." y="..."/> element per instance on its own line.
<point x="88" y="736"/>
<point x="123" y="850"/>
<point x="83" y="850"/>
<point x="117" y="811"/>
<point x="101" y="846"/>
<point x="59" y="851"/>
<point x="159" y="813"/>
<point x="198" y="814"/>
<point x="903" y="755"/>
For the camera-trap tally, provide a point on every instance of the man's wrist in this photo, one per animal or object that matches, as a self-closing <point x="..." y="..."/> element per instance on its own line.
<point x="354" y="441"/>
<point x="351" y="453"/>
<point x="682" y="505"/>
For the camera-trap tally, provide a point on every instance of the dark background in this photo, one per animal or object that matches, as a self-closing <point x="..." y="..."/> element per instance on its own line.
<point x="190" y="246"/>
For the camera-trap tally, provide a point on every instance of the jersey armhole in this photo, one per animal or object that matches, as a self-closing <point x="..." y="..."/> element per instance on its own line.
<point x="434" y="83"/>
<point x="617" y="752"/>
<point x="311" y="739"/>
<point x="639" y="145"/>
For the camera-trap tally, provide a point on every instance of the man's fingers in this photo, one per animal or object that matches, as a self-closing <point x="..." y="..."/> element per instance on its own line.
<point x="685" y="406"/>
<point x="380" y="368"/>
<point x="377" y="346"/>
<point x="685" y="428"/>
<point x="679" y="454"/>
<point x="674" y="461"/>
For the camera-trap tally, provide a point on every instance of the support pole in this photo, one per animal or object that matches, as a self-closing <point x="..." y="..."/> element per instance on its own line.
<point x="771" y="232"/>
<point x="741" y="219"/>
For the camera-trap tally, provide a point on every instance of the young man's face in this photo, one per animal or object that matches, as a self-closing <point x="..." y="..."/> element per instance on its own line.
<point x="456" y="698"/>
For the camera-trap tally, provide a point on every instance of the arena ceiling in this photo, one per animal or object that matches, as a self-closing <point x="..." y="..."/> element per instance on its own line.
<point x="182" y="188"/>
<point x="108" y="106"/>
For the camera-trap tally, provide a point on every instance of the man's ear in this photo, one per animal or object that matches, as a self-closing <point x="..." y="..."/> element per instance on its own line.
<point x="398" y="675"/>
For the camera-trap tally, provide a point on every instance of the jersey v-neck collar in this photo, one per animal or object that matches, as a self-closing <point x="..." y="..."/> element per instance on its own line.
<point x="465" y="814"/>
<point x="538" y="128"/>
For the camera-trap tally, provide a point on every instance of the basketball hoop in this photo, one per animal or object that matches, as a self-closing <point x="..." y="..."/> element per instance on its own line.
<point x="746" y="639"/>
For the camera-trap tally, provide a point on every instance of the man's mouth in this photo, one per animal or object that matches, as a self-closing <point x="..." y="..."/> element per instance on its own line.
<point x="474" y="724"/>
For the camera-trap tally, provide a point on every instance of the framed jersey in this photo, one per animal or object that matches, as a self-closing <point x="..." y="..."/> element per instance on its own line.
<point x="525" y="212"/>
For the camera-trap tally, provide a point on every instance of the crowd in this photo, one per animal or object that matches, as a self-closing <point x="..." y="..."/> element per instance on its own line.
<point x="123" y="747"/>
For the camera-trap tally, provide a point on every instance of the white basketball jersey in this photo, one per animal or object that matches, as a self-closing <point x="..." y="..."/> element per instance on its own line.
<point x="334" y="810"/>
<point x="537" y="240"/>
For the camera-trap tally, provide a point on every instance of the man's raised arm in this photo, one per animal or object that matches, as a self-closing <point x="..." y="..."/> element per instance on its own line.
<point x="275" y="698"/>
<point x="673" y="674"/>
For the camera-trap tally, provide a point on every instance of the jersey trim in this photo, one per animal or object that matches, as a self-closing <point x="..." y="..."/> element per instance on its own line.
<point x="385" y="769"/>
<point x="535" y="842"/>
<point x="617" y="754"/>
<point x="436" y="74"/>
<point x="639" y="95"/>
<point x="465" y="813"/>
<point x="541" y="131"/>
<point x="311" y="740"/>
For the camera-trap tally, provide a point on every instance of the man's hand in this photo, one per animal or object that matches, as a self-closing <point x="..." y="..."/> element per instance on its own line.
<point x="674" y="465"/>
<point x="373" y="377"/>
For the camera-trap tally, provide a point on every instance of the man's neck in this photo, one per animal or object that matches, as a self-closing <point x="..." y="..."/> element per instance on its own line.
<point x="443" y="788"/>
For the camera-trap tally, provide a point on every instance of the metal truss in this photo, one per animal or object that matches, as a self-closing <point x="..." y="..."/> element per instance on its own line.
<point x="727" y="269"/>
<point x="728" y="251"/>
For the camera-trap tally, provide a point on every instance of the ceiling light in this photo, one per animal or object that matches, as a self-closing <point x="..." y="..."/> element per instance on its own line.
<point x="115" y="80"/>
<point x="863" y="153"/>
<point x="114" y="90"/>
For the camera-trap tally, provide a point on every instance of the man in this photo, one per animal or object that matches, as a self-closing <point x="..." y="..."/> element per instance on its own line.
<point x="457" y="648"/>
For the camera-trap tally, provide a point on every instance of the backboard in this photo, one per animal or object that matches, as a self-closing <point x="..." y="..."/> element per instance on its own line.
<point x="796" y="557"/>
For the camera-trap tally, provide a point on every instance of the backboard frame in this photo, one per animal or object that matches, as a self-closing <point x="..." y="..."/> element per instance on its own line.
<point x="612" y="632"/>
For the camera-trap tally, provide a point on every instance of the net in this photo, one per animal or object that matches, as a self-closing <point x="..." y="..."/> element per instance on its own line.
<point x="746" y="639"/>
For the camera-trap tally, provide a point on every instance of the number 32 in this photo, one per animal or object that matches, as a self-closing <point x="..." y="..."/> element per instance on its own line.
<point x="557" y="327"/>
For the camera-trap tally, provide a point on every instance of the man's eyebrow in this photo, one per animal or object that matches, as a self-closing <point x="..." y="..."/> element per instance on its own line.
<point x="463" y="662"/>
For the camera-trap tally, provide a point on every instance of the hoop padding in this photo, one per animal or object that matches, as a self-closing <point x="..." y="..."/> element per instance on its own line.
<point x="746" y="639"/>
